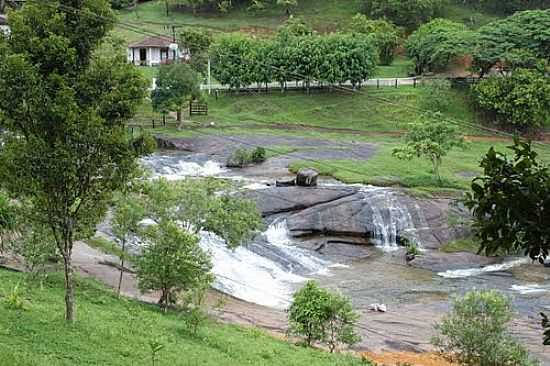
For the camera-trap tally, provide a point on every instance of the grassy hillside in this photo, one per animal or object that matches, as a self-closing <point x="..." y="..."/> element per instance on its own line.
<point x="117" y="332"/>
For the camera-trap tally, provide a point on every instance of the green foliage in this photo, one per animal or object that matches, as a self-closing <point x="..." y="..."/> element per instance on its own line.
<point x="294" y="27"/>
<point x="65" y="107"/>
<point x="520" y="100"/>
<point x="36" y="244"/>
<point x="122" y="4"/>
<point x="436" y="95"/>
<point x="155" y="345"/>
<point x="527" y="30"/>
<point x="412" y="249"/>
<point x="8" y="220"/>
<point x="386" y="35"/>
<point x="405" y="13"/>
<point x="475" y="332"/>
<point x="116" y="332"/>
<point x="546" y="327"/>
<point x="242" y="157"/>
<point x="432" y="138"/>
<point x="321" y="316"/>
<point x="197" y="204"/>
<point x="171" y="261"/>
<point x="435" y="44"/>
<point x="198" y="42"/>
<point x="507" y="6"/>
<point x="511" y="203"/>
<point x="15" y="300"/>
<point x="335" y="58"/>
<point x="177" y="84"/>
<point x="287" y="4"/>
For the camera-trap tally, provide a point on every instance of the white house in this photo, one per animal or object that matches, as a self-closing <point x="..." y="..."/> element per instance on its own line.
<point x="4" y="27"/>
<point x="153" y="51"/>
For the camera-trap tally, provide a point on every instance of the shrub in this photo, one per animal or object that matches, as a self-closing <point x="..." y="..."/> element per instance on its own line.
<point x="258" y="155"/>
<point x="475" y="331"/>
<point x="435" y="95"/>
<point x="243" y="157"/>
<point x="321" y="316"/>
<point x="15" y="300"/>
<point x="520" y="100"/>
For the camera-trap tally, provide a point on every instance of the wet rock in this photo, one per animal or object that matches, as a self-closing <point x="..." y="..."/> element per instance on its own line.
<point x="382" y="308"/>
<point x="287" y="199"/>
<point x="285" y="183"/>
<point x="307" y="177"/>
<point x="439" y="262"/>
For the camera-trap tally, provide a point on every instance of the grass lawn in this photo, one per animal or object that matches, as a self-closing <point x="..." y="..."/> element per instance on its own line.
<point x="400" y="68"/>
<point x="385" y="110"/>
<point x="114" y="332"/>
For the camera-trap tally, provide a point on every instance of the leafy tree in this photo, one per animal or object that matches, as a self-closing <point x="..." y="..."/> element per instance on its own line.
<point x="435" y="44"/>
<point x="8" y="220"/>
<point x="432" y="138"/>
<point x="128" y="213"/>
<point x="66" y="109"/>
<point x="36" y="245"/>
<point x="385" y="34"/>
<point x="294" y="27"/>
<point x="406" y="13"/>
<point x="510" y="203"/>
<point x="520" y="99"/>
<point x="172" y="261"/>
<point x="197" y="42"/>
<point x="177" y="84"/>
<point x="196" y="203"/>
<point x="507" y="6"/>
<point x="321" y="316"/>
<point x="475" y="332"/>
<point x="231" y="61"/>
<point x="526" y="30"/>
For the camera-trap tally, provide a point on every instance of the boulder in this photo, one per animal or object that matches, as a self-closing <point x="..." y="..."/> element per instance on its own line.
<point x="307" y="177"/>
<point x="285" y="183"/>
<point x="440" y="262"/>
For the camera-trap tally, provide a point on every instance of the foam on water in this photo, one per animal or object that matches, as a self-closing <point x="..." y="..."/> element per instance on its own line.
<point x="530" y="289"/>
<point x="177" y="168"/>
<point x="470" y="272"/>
<point x="249" y="276"/>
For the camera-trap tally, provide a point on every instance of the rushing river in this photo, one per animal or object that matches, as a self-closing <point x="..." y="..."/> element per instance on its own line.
<point x="268" y="270"/>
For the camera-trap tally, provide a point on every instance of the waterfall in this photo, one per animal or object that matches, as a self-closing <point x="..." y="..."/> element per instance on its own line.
<point x="390" y="218"/>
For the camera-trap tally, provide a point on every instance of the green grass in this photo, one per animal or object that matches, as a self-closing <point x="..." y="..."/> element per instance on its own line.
<point x="469" y="245"/>
<point x="326" y="15"/>
<point x="117" y="332"/>
<point x="384" y="110"/>
<point x="400" y="68"/>
<point x="106" y="246"/>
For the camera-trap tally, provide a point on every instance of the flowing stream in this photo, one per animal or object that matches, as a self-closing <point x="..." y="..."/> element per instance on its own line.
<point x="268" y="270"/>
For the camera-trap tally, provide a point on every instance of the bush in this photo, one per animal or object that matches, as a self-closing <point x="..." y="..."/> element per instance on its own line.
<point x="475" y="331"/>
<point x="520" y="100"/>
<point x="243" y="157"/>
<point x="435" y="95"/>
<point x="321" y="316"/>
<point x="405" y="13"/>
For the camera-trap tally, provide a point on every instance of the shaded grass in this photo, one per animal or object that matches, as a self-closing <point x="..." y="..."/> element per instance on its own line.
<point x="469" y="245"/>
<point x="400" y="68"/>
<point x="116" y="332"/>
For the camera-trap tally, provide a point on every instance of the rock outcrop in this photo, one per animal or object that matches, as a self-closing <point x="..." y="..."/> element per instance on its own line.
<point x="307" y="177"/>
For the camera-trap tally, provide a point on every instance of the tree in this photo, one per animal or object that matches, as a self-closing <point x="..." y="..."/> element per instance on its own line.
<point x="385" y="34"/>
<point x="65" y="108"/>
<point x="436" y="95"/>
<point x="520" y="99"/>
<point x="406" y="13"/>
<point x="231" y="61"/>
<point x="527" y="30"/>
<point x="197" y="42"/>
<point x="287" y="4"/>
<point x="475" y="332"/>
<point x="8" y="220"/>
<point x="321" y="316"/>
<point x="128" y="213"/>
<point x="122" y="4"/>
<point x="510" y="203"/>
<point x="435" y="44"/>
<point x="430" y="137"/>
<point x="177" y="84"/>
<point x="507" y="6"/>
<point x="172" y="261"/>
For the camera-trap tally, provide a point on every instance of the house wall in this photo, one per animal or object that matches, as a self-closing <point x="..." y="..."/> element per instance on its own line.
<point x="153" y="56"/>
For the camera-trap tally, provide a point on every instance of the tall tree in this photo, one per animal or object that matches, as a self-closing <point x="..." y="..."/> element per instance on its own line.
<point x="177" y="84"/>
<point x="406" y="13"/>
<point x="430" y="137"/>
<point x="511" y="203"/>
<point x="65" y="108"/>
<point x="385" y="34"/>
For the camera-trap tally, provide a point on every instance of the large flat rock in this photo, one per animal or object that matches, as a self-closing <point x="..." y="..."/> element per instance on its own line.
<point x="440" y="262"/>
<point x="277" y="200"/>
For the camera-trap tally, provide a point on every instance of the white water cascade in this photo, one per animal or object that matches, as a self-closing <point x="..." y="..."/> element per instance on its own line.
<point x="470" y="272"/>
<point x="177" y="168"/>
<point x="390" y="217"/>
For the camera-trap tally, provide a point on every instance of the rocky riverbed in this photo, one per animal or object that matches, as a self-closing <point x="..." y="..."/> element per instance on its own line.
<point x="347" y="237"/>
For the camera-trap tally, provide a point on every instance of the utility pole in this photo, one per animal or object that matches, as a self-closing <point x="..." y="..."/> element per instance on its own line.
<point x="209" y="76"/>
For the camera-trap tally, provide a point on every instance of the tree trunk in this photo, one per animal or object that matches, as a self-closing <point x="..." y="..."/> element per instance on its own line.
<point x="179" y="118"/>
<point x="70" y="311"/>
<point x="121" y="266"/>
<point x="2" y="6"/>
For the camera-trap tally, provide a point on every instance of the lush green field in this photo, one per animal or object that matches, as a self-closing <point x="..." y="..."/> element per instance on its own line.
<point x="383" y="110"/>
<point x="110" y="331"/>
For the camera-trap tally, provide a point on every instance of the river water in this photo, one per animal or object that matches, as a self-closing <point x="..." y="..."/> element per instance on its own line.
<point x="268" y="270"/>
